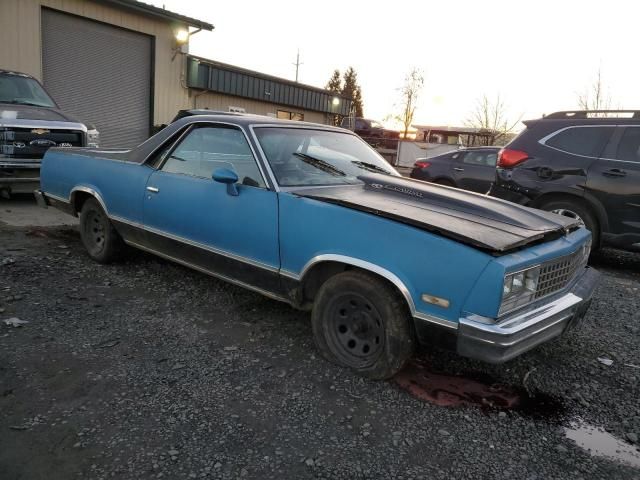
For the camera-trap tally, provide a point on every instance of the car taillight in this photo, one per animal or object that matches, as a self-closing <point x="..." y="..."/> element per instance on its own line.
<point x="422" y="164"/>
<point x="508" y="158"/>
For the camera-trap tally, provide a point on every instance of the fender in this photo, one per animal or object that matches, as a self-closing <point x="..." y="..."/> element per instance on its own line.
<point x="371" y="267"/>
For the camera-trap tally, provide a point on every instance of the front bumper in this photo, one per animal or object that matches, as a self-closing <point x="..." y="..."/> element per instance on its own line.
<point x="524" y="330"/>
<point x="19" y="176"/>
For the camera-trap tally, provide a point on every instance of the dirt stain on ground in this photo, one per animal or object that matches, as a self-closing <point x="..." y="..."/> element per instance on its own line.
<point x="474" y="389"/>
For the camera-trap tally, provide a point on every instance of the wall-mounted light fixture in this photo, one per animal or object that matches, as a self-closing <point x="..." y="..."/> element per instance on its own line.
<point x="335" y="102"/>
<point x="181" y="37"/>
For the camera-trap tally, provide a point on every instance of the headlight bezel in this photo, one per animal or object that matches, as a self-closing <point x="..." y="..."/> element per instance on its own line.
<point x="526" y="280"/>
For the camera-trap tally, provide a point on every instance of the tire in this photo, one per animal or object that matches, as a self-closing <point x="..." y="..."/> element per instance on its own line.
<point x="102" y="241"/>
<point x="361" y="322"/>
<point x="574" y="209"/>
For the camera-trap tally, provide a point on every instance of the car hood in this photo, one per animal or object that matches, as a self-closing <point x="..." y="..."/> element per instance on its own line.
<point x="483" y="222"/>
<point x="10" y="111"/>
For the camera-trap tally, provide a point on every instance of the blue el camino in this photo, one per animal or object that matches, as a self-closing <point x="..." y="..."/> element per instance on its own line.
<point x="312" y="216"/>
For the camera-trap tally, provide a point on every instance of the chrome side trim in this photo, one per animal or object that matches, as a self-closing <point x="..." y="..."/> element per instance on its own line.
<point x="57" y="198"/>
<point x="439" y="321"/>
<point x="544" y="140"/>
<point x="209" y="272"/>
<point x="291" y="275"/>
<point x="201" y="246"/>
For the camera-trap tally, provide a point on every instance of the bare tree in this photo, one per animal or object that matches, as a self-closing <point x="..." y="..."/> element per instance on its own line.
<point x="409" y="93"/>
<point x="490" y="119"/>
<point x="596" y="96"/>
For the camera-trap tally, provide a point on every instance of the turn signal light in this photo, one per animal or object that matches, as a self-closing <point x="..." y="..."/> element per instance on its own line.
<point x="508" y="158"/>
<point x="422" y="164"/>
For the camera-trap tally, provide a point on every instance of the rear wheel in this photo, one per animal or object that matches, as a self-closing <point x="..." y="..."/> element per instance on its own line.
<point x="361" y="322"/>
<point x="577" y="211"/>
<point x="102" y="241"/>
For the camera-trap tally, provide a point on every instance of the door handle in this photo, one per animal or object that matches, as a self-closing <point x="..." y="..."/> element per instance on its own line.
<point x="458" y="169"/>
<point x="614" y="172"/>
<point x="153" y="189"/>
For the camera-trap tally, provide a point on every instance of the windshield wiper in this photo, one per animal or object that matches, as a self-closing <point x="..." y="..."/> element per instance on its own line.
<point x="320" y="164"/>
<point x="371" y="167"/>
<point x="21" y="102"/>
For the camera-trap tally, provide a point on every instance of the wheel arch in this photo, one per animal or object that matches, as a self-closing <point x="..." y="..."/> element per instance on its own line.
<point x="322" y="267"/>
<point x="81" y="194"/>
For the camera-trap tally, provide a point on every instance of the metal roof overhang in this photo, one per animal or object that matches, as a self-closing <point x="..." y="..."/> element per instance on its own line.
<point x="161" y="13"/>
<point x="227" y="79"/>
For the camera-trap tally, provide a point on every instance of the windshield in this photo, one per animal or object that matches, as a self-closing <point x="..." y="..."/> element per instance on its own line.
<point x="375" y="124"/>
<point x="302" y="157"/>
<point x="20" y="90"/>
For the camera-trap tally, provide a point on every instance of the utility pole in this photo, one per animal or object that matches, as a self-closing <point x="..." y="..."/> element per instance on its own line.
<point x="297" y="64"/>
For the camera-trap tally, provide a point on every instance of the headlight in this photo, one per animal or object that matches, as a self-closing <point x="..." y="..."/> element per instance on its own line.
<point x="93" y="138"/>
<point x="519" y="288"/>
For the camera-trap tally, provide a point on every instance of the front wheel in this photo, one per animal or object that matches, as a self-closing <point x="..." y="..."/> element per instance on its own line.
<point x="100" y="238"/>
<point x="361" y="322"/>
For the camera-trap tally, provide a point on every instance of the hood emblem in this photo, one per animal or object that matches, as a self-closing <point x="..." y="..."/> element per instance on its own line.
<point x="18" y="145"/>
<point x="40" y="131"/>
<point x="377" y="185"/>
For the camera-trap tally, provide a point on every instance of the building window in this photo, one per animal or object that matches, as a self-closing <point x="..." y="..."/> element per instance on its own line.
<point x="284" y="115"/>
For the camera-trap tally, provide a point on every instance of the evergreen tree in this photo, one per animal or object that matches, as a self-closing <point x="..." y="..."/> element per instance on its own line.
<point x="335" y="82"/>
<point x="351" y="89"/>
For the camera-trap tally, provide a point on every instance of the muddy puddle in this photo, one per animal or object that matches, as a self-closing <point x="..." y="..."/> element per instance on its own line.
<point x="600" y="443"/>
<point x="472" y="389"/>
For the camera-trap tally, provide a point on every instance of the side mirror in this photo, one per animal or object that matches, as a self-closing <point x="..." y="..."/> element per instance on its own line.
<point x="225" y="175"/>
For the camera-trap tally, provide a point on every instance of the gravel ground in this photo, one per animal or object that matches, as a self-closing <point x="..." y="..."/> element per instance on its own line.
<point x="145" y="369"/>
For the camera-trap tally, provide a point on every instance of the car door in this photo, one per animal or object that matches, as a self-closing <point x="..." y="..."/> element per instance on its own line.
<point x="193" y="219"/>
<point x="615" y="180"/>
<point x="475" y="170"/>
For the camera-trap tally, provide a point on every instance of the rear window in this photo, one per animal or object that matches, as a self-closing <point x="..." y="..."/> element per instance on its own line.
<point x="629" y="146"/>
<point x="587" y="141"/>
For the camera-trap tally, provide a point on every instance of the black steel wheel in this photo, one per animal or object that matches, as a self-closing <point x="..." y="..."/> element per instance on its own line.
<point x="361" y="322"/>
<point x="100" y="238"/>
<point x="354" y="330"/>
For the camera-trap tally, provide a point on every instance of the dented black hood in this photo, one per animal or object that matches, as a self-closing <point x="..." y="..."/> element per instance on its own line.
<point x="481" y="221"/>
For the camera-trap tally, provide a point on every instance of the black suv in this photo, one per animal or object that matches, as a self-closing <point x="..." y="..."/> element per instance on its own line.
<point x="582" y="164"/>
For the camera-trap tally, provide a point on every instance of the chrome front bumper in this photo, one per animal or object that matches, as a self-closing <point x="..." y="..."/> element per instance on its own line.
<point x="523" y="330"/>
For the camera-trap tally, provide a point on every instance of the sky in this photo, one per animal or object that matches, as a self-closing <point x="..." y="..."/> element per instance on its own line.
<point x="538" y="56"/>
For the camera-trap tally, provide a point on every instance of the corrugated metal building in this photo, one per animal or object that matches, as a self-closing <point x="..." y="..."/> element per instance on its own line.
<point x="119" y="65"/>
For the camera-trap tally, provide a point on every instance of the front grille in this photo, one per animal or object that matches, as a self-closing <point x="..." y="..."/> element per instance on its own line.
<point x="555" y="275"/>
<point x="25" y="143"/>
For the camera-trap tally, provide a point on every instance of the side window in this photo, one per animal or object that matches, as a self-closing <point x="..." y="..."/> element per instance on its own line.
<point x="484" y="159"/>
<point x="588" y="141"/>
<point x="629" y="145"/>
<point x="206" y="149"/>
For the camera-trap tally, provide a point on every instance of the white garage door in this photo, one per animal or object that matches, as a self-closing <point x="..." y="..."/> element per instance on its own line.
<point x="100" y="74"/>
